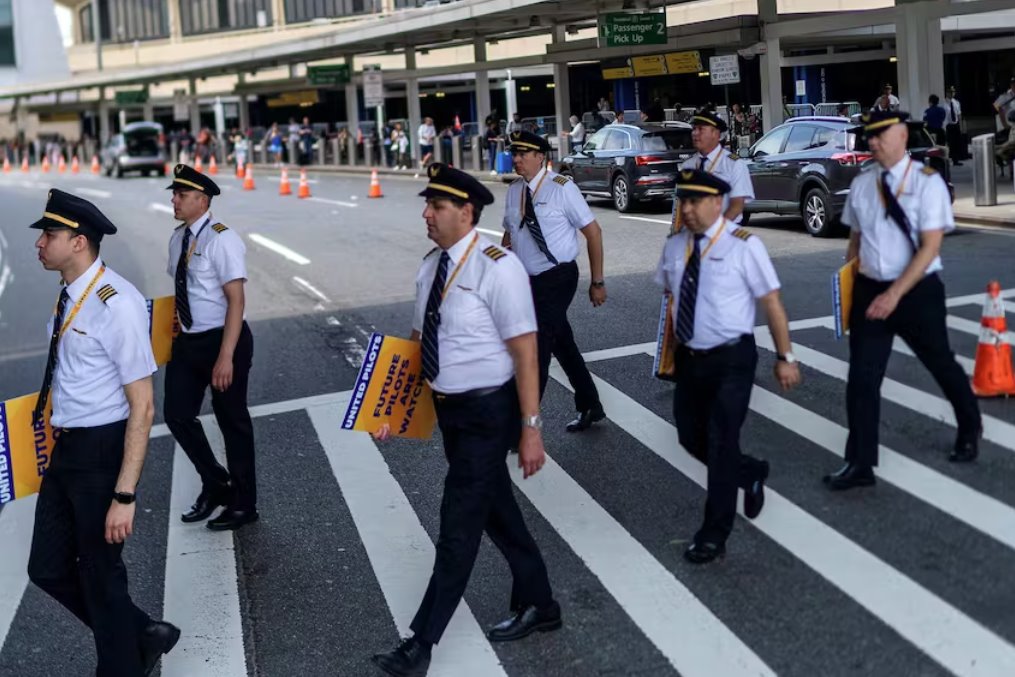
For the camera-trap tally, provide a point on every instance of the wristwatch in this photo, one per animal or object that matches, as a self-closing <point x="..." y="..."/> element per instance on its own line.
<point x="124" y="497"/>
<point x="533" y="422"/>
<point x="788" y="358"/>
<point x="598" y="283"/>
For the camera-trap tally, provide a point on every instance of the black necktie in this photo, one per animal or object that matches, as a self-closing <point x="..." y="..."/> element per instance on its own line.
<point x="689" y="294"/>
<point x="535" y="230"/>
<point x="54" y="344"/>
<point x="432" y="319"/>
<point x="182" y="299"/>
<point x="894" y="210"/>
<point x="951" y="105"/>
<point x="701" y="163"/>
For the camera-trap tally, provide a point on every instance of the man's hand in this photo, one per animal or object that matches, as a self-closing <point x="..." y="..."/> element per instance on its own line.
<point x="119" y="522"/>
<point x="222" y="373"/>
<point x="788" y="375"/>
<point x="882" y="306"/>
<point x="531" y="455"/>
<point x="597" y="295"/>
<point x="383" y="433"/>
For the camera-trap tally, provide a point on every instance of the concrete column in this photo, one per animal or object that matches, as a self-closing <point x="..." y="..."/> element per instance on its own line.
<point x="278" y="12"/>
<point x="148" y="112"/>
<point x="195" y="109"/>
<point x="122" y="117"/>
<point x="920" y="54"/>
<point x="175" y="25"/>
<point x="482" y="82"/>
<point x="352" y="101"/>
<point x="510" y="96"/>
<point x="244" y="113"/>
<point x="220" y="118"/>
<point x="561" y="87"/>
<point x="771" y="69"/>
<point x="412" y="99"/>
<point x="103" y="117"/>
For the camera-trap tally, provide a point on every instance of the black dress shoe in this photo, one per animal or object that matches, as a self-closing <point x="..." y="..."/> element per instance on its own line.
<point x="230" y="519"/>
<point x="586" y="419"/>
<point x="850" y="476"/>
<point x="754" y="495"/>
<point x="704" y="552"/>
<point x="157" y="639"/>
<point x="205" y="505"/>
<point x="965" y="451"/>
<point x="525" y="622"/>
<point x="411" y="658"/>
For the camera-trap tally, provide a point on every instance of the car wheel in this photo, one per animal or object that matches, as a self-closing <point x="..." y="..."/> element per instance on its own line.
<point x="621" y="194"/>
<point x="817" y="213"/>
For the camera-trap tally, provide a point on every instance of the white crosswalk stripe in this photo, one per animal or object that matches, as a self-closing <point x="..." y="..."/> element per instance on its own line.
<point x="203" y="592"/>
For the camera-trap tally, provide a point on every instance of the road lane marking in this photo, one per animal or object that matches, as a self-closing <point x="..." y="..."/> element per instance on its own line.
<point x="201" y="589"/>
<point x="331" y="202"/>
<point x="899" y="346"/>
<point x="650" y="595"/>
<point x="645" y="218"/>
<point x="399" y="548"/>
<point x="159" y="207"/>
<point x="17" y="520"/>
<point x="93" y="192"/>
<point x="944" y="633"/>
<point x="970" y="327"/>
<point x="282" y="250"/>
<point x="311" y="289"/>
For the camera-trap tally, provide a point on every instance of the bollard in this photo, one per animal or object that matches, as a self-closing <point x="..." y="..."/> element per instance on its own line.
<point x="456" y="151"/>
<point x="322" y="148"/>
<point x="174" y="152"/>
<point x="368" y="151"/>
<point x="264" y="152"/>
<point x="350" y="159"/>
<point x="984" y="181"/>
<point x="292" y="147"/>
<point x="477" y="152"/>
<point x="564" y="145"/>
<point x="438" y="150"/>
<point x="336" y="152"/>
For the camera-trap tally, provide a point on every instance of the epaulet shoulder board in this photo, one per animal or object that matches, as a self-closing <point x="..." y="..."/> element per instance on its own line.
<point x="494" y="253"/>
<point x="105" y="293"/>
<point x="734" y="156"/>
<point x="219" y="227"/>
<point x="742" y="233"/>
<point x="430" y="252"/>
<point x="928" y="170"/>
<point x="561" y="179"/>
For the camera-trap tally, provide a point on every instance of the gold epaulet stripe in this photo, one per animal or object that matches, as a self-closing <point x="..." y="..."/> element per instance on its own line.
<point x="734" y="156"/>
<point x="219" y="227"/>
<point x="742" y="233"/>
<point x="561" y="179"/>
<point x="928" y="170"/>
<point x="105" y="293"/>
<point x="494" y="253"/>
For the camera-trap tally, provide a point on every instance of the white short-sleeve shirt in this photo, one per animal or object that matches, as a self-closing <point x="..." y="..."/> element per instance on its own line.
<point x="488" y="302"/>
<point x="735" y="271"/>
<point x="106" y="346"/>
<point x="218" y="258"/>
<point x="884" y="251"/>
<point x="561" y="211"/>
<point x="728" y="167"/>
<point x="1005" y="104"/>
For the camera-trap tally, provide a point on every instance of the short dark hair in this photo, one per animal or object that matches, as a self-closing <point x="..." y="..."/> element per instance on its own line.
<point x="934" y="99"/>
<point x="477" y="209"/>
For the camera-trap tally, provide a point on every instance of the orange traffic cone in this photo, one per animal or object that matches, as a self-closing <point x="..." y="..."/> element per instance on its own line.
<point x="213" y="167"/>
<point x="45" y="164"/>
<point x="75" y="166"/>
<point x="96" y="167"/>
<point x="240" y="174"/>
<point x="992" y="375"/>
<point x="61" y="165"/>
<point x="375" y="185"/>
<point x="304" y="186"/>
<point x="284" y="187"/>
<point x="24" y="164"/>
<point x="167" y="170"/>
<point x="7" y="165"/>
<point x="198" y="165"/>
<point x="248" y="180"/>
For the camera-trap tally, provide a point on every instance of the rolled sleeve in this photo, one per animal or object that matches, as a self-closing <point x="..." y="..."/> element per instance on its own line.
<point x="758" y="269"/>
<point x="125" y="339"/>
<point x="936" y="206"/>
<point x="228" y="257"/>
<point x="577" y="209"/>
<point x="421" y="297"/>
<point x="848" y="217"/>
<point x="509" y="297"/>
<point x="742" y="186"/>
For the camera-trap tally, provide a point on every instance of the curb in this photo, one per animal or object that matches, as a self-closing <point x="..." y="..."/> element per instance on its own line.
<point x="483" y="177"/>
<point x="980" y="220"/>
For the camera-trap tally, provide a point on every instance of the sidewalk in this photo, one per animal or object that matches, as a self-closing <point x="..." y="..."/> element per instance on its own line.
<point x="361" y="170"/>
<point x="1002" y="214"/>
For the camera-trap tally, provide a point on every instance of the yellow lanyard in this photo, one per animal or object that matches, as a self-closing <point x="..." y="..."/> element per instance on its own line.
<point x="902" y="185"/>
<point x="534" y="193"/>
<point x="711" y="166"/>
<point x="193" y="243"/>
<point x="454" y="273"/>
<point x="81" y="301"/>
<point x="712" y="241"/>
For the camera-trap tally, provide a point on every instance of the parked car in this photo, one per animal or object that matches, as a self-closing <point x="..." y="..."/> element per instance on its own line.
<point x="630" y="163"/>
<point x="135" y="149"/>
<point x="805" y="166"/>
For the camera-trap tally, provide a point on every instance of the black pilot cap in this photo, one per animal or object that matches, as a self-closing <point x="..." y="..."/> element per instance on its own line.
<point x="70" y="212"/>
<point x="696" y="183"/>
<point x="448" y="182"/>
<point x="186" y="177"/>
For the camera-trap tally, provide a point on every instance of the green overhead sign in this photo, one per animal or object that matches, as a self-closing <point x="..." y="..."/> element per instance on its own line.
<point x="328" y="76"/>
<point x="131" y="96"/>
<point x="624" y="29"/>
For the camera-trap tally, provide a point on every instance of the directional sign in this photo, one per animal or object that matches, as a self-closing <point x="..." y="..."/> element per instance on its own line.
<point x="724" y="70"/>
<point x="683" y="62"/>
<point x="373" y="86"/>
<point x="622" y="29"/>
<point x="646" y="66"/>
<point x="328" y="76"/>
<point x="131" y="96"/>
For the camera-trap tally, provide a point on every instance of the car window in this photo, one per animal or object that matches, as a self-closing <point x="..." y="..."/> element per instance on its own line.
<point x="617" y="140"/>
<point x="770" y="143"/>
<point x="825" y="135"/>
<point x="142" y="144"/>
<point x="918" y="138"/>
<point x="668" y="140"/>
<point x="800" y="137"/>
<point x="597" y="140"/>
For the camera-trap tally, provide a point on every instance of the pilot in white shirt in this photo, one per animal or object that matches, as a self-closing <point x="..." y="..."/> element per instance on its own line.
<point x="476" y="325"/>
<point x="899" y="212"/>
<point x="707" y="129"/>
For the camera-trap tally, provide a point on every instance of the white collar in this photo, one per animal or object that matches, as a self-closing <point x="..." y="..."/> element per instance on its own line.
<point x="196" y="226"/>
<point x="457" y="250"/>
<point x="711" y="155"/>
<point x="899" y="168"/>
<point x="535" y="179"/>
<point x="76" y="288"/>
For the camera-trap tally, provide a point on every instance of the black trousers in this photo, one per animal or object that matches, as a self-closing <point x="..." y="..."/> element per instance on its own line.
<point x="478" y="497"/>
<point x="70" y="559"/>
<point x="710" y="403"/>
<point x="552" y="293"/>
<point x="919" y="320"/>
<point x="956" y="145"/>
<point x="188" y="375"/>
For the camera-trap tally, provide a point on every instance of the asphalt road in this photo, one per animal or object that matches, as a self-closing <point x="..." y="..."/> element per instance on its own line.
<point x="912" y="578"/>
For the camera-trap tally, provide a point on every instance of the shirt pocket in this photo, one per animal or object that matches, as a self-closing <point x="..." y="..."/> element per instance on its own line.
<point x="463" y="311"/>
<point x="719" y="281"/>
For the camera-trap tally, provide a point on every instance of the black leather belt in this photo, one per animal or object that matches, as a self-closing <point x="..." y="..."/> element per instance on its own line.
<point x="467" y="395"/>
<point x="694" y="352"/>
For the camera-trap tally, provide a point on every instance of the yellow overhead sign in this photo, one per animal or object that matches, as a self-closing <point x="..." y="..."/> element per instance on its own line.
<point x="672" y="63"/>
<point x="618" y="73"/>
<point x="294" y="98"/>
<point x="646" y="66"/>
<point x="683" y="62"/>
